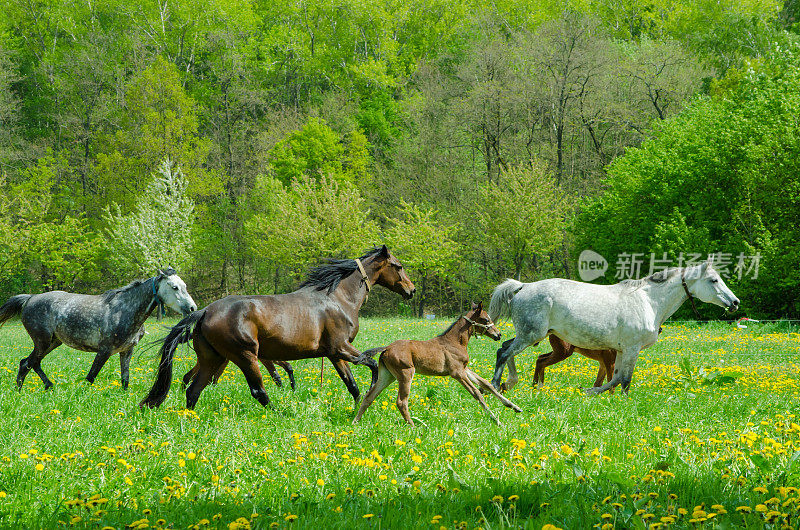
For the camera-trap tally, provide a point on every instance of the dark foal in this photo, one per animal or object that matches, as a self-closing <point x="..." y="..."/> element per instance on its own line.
<point x="563" y="349"/>
<point x="444" y="355"/>
<point x="320" y="319"/>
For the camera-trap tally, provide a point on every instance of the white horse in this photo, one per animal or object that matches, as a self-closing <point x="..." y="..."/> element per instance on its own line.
<point x="625" y="317"/>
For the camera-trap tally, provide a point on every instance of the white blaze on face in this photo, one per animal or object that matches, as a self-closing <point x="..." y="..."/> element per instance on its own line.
<point x="172" y="292"/>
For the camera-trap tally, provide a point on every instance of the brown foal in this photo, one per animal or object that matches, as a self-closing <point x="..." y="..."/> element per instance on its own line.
<point x="443" y="355"/>
<point x="563" y="349"/>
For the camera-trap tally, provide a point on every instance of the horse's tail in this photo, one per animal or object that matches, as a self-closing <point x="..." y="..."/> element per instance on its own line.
<point x="372" y="352"/>
<point x="179" y="334"/>
<point x="13" y="306"/>
<point x="500" y="305"/>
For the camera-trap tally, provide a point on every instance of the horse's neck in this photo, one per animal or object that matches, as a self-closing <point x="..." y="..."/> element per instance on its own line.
<point x="459" y="332"/>
<point x="351" y="294"/>
<point x="140" y="300"/>
<point x="666" y="298"/>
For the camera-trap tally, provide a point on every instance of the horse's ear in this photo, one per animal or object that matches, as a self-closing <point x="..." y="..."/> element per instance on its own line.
<point x="473" y="306"/>
<point x="480" y="306"/>
<point x="384" y="253"/>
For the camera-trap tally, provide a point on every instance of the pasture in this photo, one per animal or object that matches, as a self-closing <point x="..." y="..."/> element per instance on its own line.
<point x="709" y="437"/>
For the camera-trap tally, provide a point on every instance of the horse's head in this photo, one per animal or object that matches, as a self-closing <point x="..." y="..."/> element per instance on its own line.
<point x="171" y="291"/>
<point x="392" y="275"/>
<point x="706" y="284"/>
<point x="481" y="322"/>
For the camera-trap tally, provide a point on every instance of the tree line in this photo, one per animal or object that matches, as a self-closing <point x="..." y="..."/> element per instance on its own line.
<point x="242" y="141"/>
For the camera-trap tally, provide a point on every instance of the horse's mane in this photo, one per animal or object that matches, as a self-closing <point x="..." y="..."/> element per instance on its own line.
<point x="451" y="326"/>
<point x="111" y="293"/>
<point x="656" y="277"/>
<point x="332" y="271"/>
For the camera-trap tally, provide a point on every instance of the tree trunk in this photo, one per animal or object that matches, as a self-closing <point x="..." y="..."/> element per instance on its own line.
<point x="423" y="286"/>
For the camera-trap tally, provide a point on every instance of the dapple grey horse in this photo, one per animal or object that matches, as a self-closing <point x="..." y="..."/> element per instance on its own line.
<point x="108" y="323"/>
<point x="624" y="317"/>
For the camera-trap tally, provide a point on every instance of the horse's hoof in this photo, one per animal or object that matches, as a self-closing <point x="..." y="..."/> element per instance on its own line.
<point x="594" y="391"/>
<point x="516" y="409"/>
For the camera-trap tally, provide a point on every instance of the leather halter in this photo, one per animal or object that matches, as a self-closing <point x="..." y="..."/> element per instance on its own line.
<point x="364" y="278"/>
<point x="689" y="294"/>
<point x="477" y="324"/>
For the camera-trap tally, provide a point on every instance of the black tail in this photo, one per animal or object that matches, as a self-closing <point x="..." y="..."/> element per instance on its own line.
<point x="373" y="351"/>
<point x="180" y="333"/>
<point x="13" y="306"/>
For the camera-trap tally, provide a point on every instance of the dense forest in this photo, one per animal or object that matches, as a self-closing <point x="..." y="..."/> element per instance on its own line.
<point x="242" y="141"/>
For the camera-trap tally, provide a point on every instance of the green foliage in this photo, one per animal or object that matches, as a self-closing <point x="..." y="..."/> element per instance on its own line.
<point x="158" y="232"/>
<point x="317" y="150"/>
<point x="522" y="216"/>
<point x="720" y="177"/>
<point x="426" y="245"/>
<point x="310" y="220"/>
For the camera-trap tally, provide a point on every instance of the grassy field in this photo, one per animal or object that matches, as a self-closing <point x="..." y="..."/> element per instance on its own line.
<point x="687" y="447"/>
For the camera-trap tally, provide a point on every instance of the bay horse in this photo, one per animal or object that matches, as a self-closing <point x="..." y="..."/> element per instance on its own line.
<point x="443" y="355"/>
<point x="625" y="317"/>
<point x="320" y="319"/>
<point x="269" y="365"/>
<point x="107" y="323"/>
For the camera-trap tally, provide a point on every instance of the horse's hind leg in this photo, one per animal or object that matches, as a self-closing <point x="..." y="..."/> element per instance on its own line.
<point x="504" y="355"/>
<point x="273" y="372"/>
<point x="34" y="361"/>
<point x="208" y="364"/>
<point x="190" y="375"/>
<point x="404" y="378"/>
<point x="288" y="369"/>
<point x="484" y="384"/>
<point x="385" y="378"/>
<point x="98" y="363"/>
<point x="343" y="370"/>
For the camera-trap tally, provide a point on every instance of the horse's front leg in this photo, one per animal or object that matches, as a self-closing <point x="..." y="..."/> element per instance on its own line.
<point x="623" y="372"/>
<point x="98" y="363"/>
<point x="343" y="370"/>
<point x="124" y="366"/>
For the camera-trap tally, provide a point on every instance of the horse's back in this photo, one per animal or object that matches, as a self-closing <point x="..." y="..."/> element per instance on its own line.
<point x="284" y="326"/>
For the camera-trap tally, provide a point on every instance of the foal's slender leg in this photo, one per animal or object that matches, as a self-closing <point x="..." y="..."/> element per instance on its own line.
<point x="483" y="383"/>
<point x="464" y="380"/>
<point x="124" y="367"/>
<point x="99" y="361"/>
<point x="623" y="372"/>
<point x="385" y="378"/>
<point x="404" y="379"/>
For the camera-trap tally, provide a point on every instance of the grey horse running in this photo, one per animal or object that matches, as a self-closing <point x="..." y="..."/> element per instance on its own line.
<point x="108" y="323"/>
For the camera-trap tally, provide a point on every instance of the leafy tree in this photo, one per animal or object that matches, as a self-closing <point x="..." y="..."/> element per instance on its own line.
<point x="310" y="220"/>
<point x="425" y="245"/>
<point x="317" y="150"/>
<point x="521" y="218"/>
<point x="158" y="232"/>
<point x="722" y="176"/>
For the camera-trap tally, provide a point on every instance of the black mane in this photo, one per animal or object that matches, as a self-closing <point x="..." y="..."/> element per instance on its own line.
<point x="111" y="293"/>
<point x="329" y="274"/>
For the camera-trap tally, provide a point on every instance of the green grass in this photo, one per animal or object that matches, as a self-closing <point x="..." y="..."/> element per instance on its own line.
<point x="567" y="457"/>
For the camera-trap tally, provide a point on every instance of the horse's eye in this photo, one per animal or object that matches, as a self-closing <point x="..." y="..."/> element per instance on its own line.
<point x="175" y="287"/>
<point x="714" y="280"/>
